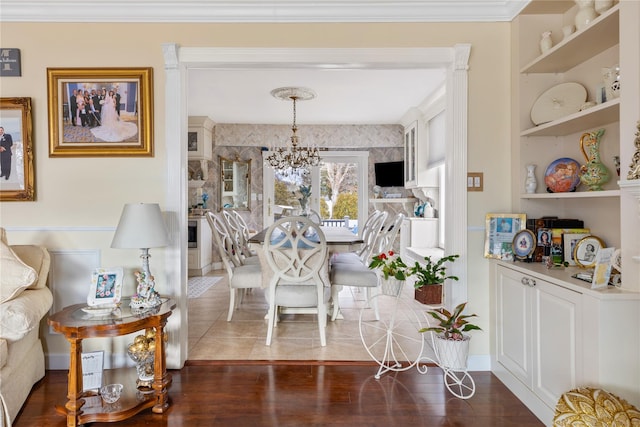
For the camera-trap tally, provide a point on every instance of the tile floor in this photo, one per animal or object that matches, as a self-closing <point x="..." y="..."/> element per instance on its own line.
<point x="296" y="337"/>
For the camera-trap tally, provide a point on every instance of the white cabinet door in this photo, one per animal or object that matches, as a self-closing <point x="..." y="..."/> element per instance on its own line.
<point x="557" y="334"/>
<point x="513" y="335"/>
<point x="539" y="335"/>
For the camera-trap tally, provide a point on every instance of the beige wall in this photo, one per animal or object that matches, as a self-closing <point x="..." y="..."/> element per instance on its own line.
<point x="90" y="192"/>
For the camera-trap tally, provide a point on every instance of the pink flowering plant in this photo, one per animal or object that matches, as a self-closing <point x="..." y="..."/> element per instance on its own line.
<point x="391" y="265"/>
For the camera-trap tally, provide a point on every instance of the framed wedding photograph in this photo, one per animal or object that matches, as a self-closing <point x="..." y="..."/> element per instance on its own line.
<point x="500" y="230"/>
<point x="106" y="287"/>
<point x="16" y="150"/>
<point x="100" y="112"/>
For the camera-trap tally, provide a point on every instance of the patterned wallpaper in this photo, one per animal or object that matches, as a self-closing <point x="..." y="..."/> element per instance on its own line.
<point x="246" y="141"/>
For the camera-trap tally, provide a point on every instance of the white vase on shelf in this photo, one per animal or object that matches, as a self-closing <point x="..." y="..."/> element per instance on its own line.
<point x="586" y="13"/>
<point x="545" y="41"/>
<point x="601" y="6"/>
<point x="530" y="183"/>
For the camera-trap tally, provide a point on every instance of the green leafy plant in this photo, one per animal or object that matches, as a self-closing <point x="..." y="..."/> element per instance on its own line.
<point x="451" y="325"/>
<point x="432" y="273"/>
<point x="391" y="265"/>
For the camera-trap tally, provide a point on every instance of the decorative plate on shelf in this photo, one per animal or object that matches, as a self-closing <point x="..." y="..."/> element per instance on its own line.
<point x="562" y="175"/>
<point x="557" y="102"/>
<point x="524" y="243"/>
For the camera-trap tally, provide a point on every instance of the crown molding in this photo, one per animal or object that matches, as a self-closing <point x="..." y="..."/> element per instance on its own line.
<point x="220" y="11"/>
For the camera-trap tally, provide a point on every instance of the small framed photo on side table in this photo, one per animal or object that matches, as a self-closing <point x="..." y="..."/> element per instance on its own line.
<point x="106" y="287"/>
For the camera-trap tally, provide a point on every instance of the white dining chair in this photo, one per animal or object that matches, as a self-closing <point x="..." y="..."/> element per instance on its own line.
<point x="357" y="272"/>
<point x="239" y="236"/>
<point x="370" y="236"/>
<point x="241" y="276"/>
<point x="295" y="249"/>
<point x="314" y="216"/>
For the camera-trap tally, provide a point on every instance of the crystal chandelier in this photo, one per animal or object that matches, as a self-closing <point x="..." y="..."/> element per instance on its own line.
<point x="294" y="157"/>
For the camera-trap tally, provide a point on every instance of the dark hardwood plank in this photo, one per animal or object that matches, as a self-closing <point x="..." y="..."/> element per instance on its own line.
<point x="303" y="394"/>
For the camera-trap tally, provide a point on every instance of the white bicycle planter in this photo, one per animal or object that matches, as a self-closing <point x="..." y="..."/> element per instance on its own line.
<point x="396" y="345"/>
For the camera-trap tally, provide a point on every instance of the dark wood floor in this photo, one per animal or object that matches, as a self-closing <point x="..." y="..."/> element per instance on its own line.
<point x="303" y="394"/>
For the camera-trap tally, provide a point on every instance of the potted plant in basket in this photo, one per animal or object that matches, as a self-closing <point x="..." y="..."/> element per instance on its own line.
<point x="451" y="343"/>
<point x="430" y="278"/>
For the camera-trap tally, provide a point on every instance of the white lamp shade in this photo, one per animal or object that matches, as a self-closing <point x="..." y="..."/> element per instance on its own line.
<point x="141" y="226"/>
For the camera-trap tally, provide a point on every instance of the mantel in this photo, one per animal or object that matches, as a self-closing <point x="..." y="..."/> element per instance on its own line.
<point x="407" y="203"/>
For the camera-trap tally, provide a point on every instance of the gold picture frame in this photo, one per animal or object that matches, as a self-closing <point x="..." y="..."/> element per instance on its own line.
<point x="112" y="117"/>
<point x="17" y="173"/>
<point x="500" y="230"/>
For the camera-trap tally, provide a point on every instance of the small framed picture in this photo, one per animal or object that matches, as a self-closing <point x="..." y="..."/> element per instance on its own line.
<point x="586" y="250"/>
<point x="569" y="241"/>
<point x="602" y="271"/>
<point x="106" y="287"/>
<point x="500" y="230"/>
<point x="544" y="237"/>
<point x="524" y="243"/>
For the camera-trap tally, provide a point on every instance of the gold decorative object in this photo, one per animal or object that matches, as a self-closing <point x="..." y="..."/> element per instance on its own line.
<point x="634" y="168"/>
<point x="142" y="351"/>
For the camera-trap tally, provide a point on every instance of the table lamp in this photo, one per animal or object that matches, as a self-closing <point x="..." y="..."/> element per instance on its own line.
<point x="141" y="226"/>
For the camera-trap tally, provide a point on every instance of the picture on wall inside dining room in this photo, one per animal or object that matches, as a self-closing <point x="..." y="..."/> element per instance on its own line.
<point x="100" y="112"/>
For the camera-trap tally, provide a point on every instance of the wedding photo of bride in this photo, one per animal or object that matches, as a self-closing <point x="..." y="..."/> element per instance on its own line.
<point x="101" y="112"/>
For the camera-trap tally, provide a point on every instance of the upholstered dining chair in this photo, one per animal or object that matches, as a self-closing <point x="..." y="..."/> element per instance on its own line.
<point x="357" y="273"/>
<point x="296" y="251"/>
<point x="241" y="276"/>
<point x="370" y="235"/>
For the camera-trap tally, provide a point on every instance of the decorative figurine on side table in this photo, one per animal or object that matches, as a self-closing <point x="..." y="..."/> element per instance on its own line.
<point x="146" y="296"/>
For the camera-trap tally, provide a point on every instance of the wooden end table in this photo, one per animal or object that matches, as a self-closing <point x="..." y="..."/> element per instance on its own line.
<point x="84" y="407"/>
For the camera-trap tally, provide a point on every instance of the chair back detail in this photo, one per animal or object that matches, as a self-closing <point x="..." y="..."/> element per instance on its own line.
<point x="237" y="233"/>
<point x="295" y="249"/>
<point x="227" y="246"/>
<point x="388" y="235"/>
<point x="370" y="233"/>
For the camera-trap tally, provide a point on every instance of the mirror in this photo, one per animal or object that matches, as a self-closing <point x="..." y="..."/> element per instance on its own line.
<point x="235" y="184"/>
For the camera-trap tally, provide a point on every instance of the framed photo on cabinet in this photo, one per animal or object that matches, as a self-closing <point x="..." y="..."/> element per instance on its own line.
<point x="16" y="150"/>
<point x="500" y="230"/>
<point x="100" y="112"/>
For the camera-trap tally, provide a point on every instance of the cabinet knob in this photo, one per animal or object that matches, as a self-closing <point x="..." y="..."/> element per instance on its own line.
<point x="528" y="282"/>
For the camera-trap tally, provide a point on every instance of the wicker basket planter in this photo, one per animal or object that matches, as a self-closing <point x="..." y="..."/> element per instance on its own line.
<point x="429" y="294"/>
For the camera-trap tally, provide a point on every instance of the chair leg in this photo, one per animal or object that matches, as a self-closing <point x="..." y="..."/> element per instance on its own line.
<point x="272" y="319"/>
<point x="335" y="301"/>
<point x="232" y="303"/>
<point x="322" y="324"/>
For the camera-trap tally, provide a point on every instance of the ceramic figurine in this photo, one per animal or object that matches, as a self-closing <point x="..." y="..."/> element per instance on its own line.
<point x="611" y="77"/>
<point x="530" y="184"/>
<point x="545" y="41"/>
